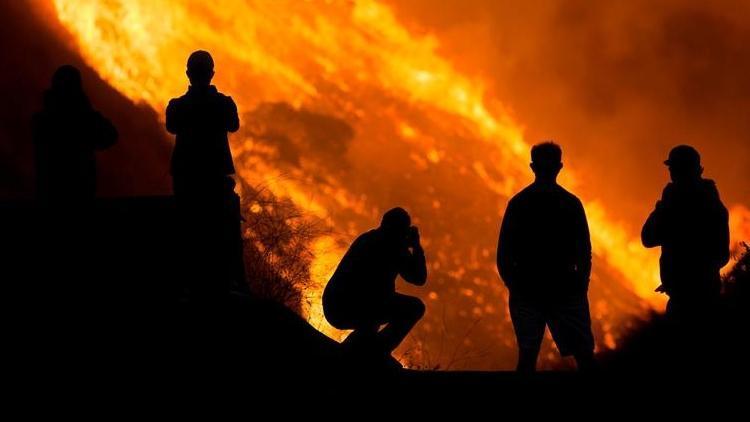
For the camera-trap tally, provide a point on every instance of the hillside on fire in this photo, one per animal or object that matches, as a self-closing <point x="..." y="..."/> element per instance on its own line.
<point x="349" y="109"/>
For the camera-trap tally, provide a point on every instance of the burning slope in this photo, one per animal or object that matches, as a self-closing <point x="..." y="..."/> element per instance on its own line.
<point x="346" y="113"/>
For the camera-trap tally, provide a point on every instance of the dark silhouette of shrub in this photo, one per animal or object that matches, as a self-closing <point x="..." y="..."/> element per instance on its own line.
<point x="277" y="237"/>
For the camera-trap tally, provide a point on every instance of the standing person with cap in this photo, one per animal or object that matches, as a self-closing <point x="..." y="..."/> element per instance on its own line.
<point x="691" y="225"/>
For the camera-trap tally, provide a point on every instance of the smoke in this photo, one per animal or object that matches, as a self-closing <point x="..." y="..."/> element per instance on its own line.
<point x="301" y="133"/>
<point x="614" y="82"/>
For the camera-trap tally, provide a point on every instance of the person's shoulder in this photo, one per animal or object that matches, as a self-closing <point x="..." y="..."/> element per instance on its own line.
<point x="522" y="195"/>
<point x="668" y="190"/>
<point x="364" y="241"/>
<point x="521" y="200"/>
<point x="95" y="116"/>
<point x="568" y="194"/>
<point x="711" y="191"/>
<point x="709" y="186"/>
<point x="221" y="94"/>
<point x="367" y="236"/>
<point x="175" y="102"/>
<point x="569" y="197"/>
<point x="225" y="98"/>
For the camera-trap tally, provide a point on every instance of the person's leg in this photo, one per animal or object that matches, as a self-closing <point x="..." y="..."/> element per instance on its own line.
<point x="695" y="325"/>
<point x="401" y="315"/>
<point x="527" y="358"/>
<point x="528" y="323"/>
<point x="585" y="361"/>
<point x="363" y="337"/>
<point x="345" y="312"/>
<point x="570" y="326"/>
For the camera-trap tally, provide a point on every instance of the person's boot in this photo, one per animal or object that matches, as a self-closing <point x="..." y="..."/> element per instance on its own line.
<point x="527" y="361"/>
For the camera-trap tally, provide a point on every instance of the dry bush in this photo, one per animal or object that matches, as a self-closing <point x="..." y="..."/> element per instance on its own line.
<point x="277" y="238"/>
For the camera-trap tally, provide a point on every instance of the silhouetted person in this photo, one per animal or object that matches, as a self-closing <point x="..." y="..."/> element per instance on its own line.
<point x="66" y="134"/>
<point x="544" y="258"/>
<point x="203" y="184"/>
<point x="202" y="161"/>
<point x="691" y="225"/>
<point x="361" y="294"/>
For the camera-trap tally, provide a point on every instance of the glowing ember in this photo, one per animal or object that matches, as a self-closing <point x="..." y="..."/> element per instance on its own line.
<point x="346" y="113"/>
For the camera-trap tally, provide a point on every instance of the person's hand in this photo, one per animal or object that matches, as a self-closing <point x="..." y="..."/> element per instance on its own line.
<point x="414" y="236"/>
<point x="668" y="193"/>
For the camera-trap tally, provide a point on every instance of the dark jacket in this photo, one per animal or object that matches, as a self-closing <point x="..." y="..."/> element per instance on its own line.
<point x="691" y="225"/>
<point x="544" y="248"/>
<point x="368" y="270"/>
<point x="66" y="133"/>
<point x="200" y="119"/>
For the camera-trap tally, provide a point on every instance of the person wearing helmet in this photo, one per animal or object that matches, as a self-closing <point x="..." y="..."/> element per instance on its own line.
<point x="691" y="225"/>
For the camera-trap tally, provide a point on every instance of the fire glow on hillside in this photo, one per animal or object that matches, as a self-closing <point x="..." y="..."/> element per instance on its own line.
<point x="346" y="113"/>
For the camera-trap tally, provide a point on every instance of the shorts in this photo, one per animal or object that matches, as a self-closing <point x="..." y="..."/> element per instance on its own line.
<point x="568" y="319"/>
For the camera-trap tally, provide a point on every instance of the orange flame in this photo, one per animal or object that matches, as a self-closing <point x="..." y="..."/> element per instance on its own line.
<point x="739" y="228"/>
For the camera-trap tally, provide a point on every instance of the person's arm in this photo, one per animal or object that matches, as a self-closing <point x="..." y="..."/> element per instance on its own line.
<point x="722" y="240"/>
<point x="174" y="123"/>
<point x="413" y="266"/>
<point x="38" y="130"/>
<point x="583" y="243"/>
<point x="233" y="119"/>
<point x="652" y="234"/>
<point x="105" y="134"/>
<point x="506" y="262"/>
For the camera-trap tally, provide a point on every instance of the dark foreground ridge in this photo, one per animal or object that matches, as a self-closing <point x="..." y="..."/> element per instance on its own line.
<point x="95" y="303"/>
<point x="104" y="283"/>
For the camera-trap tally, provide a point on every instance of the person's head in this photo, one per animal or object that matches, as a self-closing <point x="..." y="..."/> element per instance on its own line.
<point x="67" y="80"/>
<point x="684" y="164"/>
<point x="396" y="223"/>
<point x="66" y="91"/>
<point x="546" y="161"/>
<point x="200" y="68"/>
